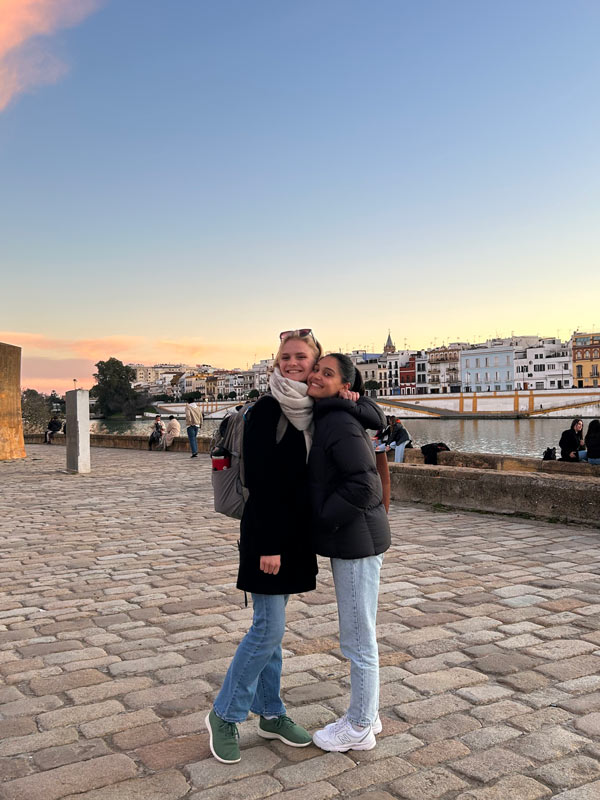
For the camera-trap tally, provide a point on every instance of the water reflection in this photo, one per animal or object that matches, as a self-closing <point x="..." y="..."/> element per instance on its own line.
<point x="519" y="437"/>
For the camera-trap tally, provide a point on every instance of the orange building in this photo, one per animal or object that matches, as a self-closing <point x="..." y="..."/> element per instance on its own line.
<point x="586" y="359"/>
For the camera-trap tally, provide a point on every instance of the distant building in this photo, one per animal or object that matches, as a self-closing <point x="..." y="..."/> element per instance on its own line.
<point x="444" y="368"/>
<point x="586" y="359"/>
<point x="489" y="367"/>
<point x="546" y="365"/>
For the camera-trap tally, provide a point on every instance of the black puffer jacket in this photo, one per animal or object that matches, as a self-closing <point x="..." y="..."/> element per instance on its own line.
<point x="349" y="518"/>
<point x="570" y="442"/>
<point x="276" y="519"/>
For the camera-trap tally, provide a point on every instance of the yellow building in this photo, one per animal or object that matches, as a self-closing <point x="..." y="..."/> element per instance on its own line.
<point x="586" y="359"/>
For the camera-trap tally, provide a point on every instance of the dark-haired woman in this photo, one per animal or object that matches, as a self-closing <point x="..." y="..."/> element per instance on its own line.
<point x="592" y="442"/>
<point x="276" y="557"/>
<point x="571" y="442"/>
<point x="351" y="528"/>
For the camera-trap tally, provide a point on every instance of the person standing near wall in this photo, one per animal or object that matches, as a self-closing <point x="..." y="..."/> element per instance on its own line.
<point x="193" y="420"/>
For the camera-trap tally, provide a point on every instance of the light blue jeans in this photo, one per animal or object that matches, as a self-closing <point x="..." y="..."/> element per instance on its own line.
<point x="253" y="678"/>
<point x="357" y="590"/>
<point x="398" y="451"/>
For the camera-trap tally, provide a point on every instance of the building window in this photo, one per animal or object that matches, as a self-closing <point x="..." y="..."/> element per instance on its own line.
<point x="478" y="388"/>
<point x="477" y="364"/>
<point x="467" y="364"/>
<point x="487" y="362"/>
<point x="594" y="370"/>
<point x="497" y="387"/>
<point x="509" y="387"/>
<point x="579" y="371"/>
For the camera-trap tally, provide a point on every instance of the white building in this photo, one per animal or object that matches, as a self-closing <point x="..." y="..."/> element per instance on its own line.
<point x="547" y="365"/>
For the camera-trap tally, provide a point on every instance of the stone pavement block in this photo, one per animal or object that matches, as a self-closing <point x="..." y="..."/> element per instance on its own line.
<point x="17" y="726"/>
<point x="10" y="693"/>
<point x="167" y="786"/>
<point x="539" y="719"/>
<point x="30" y="706"/>
<point x="577" y="667"/>
<point x="517" y="787"/>
<point x="160" y="694"/>
<point x="487" y="693"/>
<point x="589" y="724"/>
<point x="504" y="663"/>
<point x="484" y="738"/>
<point x="549" y="743"/>
<point x="591" y="791"/>
<point x="146" y="664"/>
<point x="433" y="708"/>
<point x="398" y="745"/>
<point x="366" y="775"/>
<point x="448" y="727"/>
<point x="316" y="769"/>
<point x="112" y="688"/>
<point x="63" y="781"/>
<point x="490" y="764"/>
<point x="71" y="680"/>
<point x="173" y="752"/>
<point x="74" y="715"/>
<point x="37" y="741"/>
<point x="569" y="772"/>
<point x="322" y="790"/>
<point x="13" y="767"/>
<point x="209" y="772"/>
<point x="68" y="754"/>
<point x="559" y="649"/>
<point x="253" y="788"/>
<point x="427" y="784"/>
<point x="118" y="722"/>
<point x="138" y="737"/>
<point x="445" y="680"/>
<point x="438" y="753"/>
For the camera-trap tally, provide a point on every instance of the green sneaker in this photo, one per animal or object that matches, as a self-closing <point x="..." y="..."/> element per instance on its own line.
<point x="224" y="738"/>
<point x="284" y="729"/>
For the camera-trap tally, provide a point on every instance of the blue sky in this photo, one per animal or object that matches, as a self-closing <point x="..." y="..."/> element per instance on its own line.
<point x="205" y="174"/>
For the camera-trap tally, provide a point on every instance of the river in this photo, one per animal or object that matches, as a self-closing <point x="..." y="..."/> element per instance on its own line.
<point x="517" y="437"/>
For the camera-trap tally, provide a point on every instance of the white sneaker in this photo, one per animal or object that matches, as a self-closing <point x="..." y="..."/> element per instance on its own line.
<point x="340" y="736"/>
<point x="377" y="726"/>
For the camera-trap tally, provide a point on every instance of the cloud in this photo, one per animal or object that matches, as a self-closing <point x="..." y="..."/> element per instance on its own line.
<point x="25" y="61"/>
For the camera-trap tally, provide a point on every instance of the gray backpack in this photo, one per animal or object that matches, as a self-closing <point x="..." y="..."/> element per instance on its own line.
<point x="229" y="484"/>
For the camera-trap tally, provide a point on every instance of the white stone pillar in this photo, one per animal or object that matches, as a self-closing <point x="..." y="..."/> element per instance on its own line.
<point x="78" y="430"/>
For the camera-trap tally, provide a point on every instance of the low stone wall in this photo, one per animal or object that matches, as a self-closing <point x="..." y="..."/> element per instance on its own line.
<point x="545" y="496"/>
<point x="123" y="442"/>
<point x="502" y="463"/>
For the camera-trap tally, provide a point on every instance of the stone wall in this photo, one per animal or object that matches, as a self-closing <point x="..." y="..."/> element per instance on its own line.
<point x="124" y="442"/>
<point x="12" y="444"/>
<point x="557" y="497"/>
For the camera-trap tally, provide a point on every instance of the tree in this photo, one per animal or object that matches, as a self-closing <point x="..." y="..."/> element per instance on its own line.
<point x="232" y="395"/>
<point x="191" y="396"/>
<point x="36" y="411"/>
<point x="369" y="385"/>
<point x="219" y="396"/>
<point x="113" y="389"/>
<point x="253" y="393"/>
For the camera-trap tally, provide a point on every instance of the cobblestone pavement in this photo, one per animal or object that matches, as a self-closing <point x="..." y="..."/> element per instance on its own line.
<point x="119" y="615"/>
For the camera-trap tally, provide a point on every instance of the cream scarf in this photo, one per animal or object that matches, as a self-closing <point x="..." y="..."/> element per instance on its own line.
<point x="296" y="405"/>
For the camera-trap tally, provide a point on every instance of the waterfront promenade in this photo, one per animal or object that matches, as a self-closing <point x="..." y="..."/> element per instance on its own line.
<point x="119" y="614"/>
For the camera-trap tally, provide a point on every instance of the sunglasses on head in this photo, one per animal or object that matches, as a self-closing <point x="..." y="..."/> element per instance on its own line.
<point x="300" y="332"/>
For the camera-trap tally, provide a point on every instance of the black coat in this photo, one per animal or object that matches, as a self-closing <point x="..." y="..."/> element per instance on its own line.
<point x="592" y="444"/>
<point x="276" y="518"/>
<point x="570" y="442"/>
<point x="349" y="518"/>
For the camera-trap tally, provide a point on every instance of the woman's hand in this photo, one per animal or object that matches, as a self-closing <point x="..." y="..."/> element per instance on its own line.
<point x="270" y="564"/>
<point x="346" y="394"/>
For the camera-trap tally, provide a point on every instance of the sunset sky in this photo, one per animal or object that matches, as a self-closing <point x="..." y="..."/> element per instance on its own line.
<point x="179" y="181"/>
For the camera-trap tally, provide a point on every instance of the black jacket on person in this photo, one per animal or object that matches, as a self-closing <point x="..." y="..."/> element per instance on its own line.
<point x="54" y="425"/>
<point x="349" y="518"/>
<point x="276" y="518"/>
<point x="398" y="434"/>
<point x="570" y="442"/>
<point x="592" y="445"/>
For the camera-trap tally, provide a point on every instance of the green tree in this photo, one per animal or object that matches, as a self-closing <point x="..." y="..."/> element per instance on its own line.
<point x="370" y="385"/>
<point x="36" y="411"/>
<point x="253" y="393"/>
<point x="113" y="391"/>
<point x="232" y="395"/>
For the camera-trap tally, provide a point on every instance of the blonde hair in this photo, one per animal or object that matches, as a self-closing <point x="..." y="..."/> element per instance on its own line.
<point x="309" y="340"/>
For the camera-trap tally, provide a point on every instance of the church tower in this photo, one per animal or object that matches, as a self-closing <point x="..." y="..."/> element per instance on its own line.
<point x="389" y="346"/>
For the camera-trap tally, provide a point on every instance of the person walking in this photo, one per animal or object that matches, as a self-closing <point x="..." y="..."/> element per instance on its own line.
<point x="276" y="554"/>
<point x="351" y="528"/>
<point x="193" y="420"/>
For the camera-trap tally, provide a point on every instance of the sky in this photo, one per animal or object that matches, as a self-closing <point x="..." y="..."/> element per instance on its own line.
<point x="180" y="181"/>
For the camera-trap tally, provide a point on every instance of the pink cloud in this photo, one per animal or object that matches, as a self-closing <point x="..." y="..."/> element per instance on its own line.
<point x="24" y="61"/>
